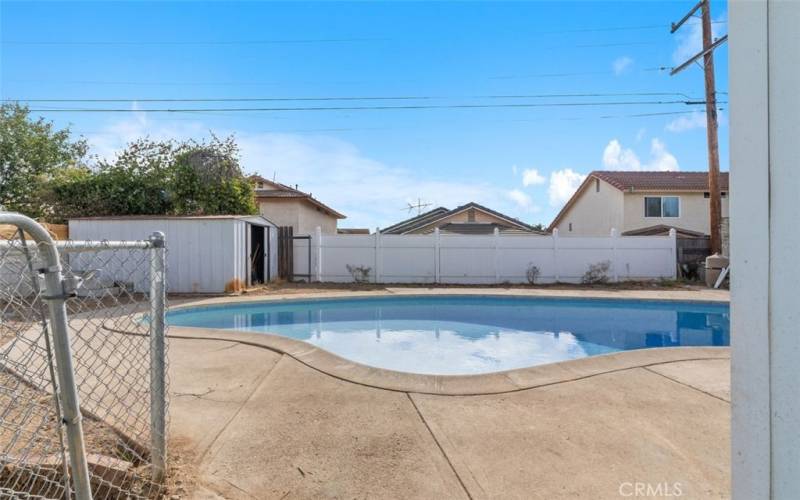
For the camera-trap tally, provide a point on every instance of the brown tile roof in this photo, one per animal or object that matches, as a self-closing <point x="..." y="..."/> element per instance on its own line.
<point x="644" y="181"/>
<point x="278" y="190"/>
<point x="659" y="181"/>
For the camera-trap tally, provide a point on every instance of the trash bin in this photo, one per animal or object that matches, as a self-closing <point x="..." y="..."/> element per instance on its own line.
<point x="714" y="266"/>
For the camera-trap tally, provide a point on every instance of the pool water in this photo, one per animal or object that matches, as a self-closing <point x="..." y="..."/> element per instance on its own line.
<point x="451" y="335"/>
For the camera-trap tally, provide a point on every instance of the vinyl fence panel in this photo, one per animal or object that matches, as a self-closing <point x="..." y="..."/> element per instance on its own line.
<point x="483" y="259"/>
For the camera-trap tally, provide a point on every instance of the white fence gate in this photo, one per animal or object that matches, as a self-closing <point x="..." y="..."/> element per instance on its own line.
<point x="483" y="259"/>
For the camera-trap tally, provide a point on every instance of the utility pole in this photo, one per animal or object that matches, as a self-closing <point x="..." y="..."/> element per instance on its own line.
<point x="715" y="199"/>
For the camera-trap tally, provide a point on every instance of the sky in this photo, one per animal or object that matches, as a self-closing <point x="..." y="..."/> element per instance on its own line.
<point x="440" y="103"/>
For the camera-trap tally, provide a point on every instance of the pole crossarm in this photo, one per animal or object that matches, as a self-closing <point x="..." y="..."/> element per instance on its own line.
<point x="685" y="18"/>
<point x="688" y="62"/>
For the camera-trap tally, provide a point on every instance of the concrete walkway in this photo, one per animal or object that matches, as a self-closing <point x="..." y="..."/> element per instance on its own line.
<point x="261" y="424"/>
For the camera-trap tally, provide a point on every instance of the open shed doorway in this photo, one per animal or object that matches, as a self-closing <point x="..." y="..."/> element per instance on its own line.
<point x="258" y="254"/>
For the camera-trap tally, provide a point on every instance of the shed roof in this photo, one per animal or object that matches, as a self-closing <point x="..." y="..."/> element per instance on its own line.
<point x="253" y="219"/>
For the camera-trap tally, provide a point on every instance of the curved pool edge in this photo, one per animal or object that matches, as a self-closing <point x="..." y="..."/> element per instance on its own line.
<point x="699" y="296"/>
<point x="453" y="385"/>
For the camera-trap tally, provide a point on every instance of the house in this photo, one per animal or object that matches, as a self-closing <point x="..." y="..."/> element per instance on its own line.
<point x="288" y="206"/>
<point x="471" y="218"/>
<point x="205" y="253"/>
<point x="640" y="203"/>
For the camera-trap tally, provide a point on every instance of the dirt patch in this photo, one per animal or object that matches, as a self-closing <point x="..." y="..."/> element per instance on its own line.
<point x="31" y="453"/>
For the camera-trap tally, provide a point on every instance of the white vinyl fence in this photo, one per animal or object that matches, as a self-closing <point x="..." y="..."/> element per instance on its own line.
<point x="482" y="259"/>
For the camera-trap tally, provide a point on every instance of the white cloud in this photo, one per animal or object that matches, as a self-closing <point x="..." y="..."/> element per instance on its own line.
<point x="563" y="184"/>
<point x="514" y="169"/>
<point x="661" y="159"/>
<point x="615" y="157"/>
<point x="690" y="38"/>
<point x="520" y="198"/>
<point x="621" y="65"/>
<point x="696" y="119"/>
<point x="532" y="177"/>
<point x="370" y="192"/>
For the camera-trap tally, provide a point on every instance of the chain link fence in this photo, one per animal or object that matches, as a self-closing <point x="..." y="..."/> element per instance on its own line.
<point x="83" y="403"/>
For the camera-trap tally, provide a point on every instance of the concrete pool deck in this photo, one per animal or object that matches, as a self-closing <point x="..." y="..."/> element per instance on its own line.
<point x="271" y="420"/>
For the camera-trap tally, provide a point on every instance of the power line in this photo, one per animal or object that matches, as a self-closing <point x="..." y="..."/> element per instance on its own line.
<point x="354" y="98"/>
<point x="190" y="42"/>
<point x="309" y="40"/>
<point x="366" y="108"/>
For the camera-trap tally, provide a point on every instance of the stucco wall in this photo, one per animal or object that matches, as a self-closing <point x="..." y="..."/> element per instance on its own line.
<point x="693" y="212"/>
<point x="594" y="213"/>
<point x="310" y="218"/>
<point x="302" y="216"/>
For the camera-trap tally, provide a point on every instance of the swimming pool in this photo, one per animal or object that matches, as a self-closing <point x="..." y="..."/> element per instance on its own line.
<point x="455" y="335"/>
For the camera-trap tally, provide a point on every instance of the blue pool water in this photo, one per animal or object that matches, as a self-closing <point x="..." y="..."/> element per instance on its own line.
<point x="471" y="334"/>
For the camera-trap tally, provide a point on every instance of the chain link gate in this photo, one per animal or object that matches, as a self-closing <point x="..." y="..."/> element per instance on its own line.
<point x="83" y="401"/>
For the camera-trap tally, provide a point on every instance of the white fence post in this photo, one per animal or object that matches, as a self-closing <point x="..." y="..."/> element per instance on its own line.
<point x="555" y="254"/>
<point x="614" y="262"/>
<point x="436" y="256"/>
<point x="318" y="237"/>
<point x="673" y="236"/>
<point x="497" y="255"/>
<point x="378" y="255"/>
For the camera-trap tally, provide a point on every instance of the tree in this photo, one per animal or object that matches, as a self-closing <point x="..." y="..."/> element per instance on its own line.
<point x="158" y="178"/>
<point x="31" y="153"/>
<point x="207" y="180"/>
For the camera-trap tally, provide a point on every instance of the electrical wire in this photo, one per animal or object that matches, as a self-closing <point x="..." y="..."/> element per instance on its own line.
<point x="366" y="108"/>
<point x="354" y="98"/>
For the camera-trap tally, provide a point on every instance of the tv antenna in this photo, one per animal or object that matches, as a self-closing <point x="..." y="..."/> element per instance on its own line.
<point x="418" y="206"/>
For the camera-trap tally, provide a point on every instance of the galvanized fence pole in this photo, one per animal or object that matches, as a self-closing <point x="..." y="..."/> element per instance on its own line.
<point x="158" y="387"/>
<point x="55" y="297"/>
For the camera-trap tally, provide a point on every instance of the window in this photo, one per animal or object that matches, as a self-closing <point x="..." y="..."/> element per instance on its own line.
<point x="570" y="226"/>
<point x="597" y="185"/>
<point x="662" y="206"/>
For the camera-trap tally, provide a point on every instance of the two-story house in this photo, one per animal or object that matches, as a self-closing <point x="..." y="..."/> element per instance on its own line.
<point x="639" y="203"/>
<point x="287" y="206"/>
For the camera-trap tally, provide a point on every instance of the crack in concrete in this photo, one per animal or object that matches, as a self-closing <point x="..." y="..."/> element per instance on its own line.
<point x="685" y="384"/>
<point x="439" y="445"/>
<point x="202" y="455"/>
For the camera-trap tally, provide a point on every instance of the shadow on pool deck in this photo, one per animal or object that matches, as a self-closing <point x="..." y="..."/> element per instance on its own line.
<point x="264" y="425"/>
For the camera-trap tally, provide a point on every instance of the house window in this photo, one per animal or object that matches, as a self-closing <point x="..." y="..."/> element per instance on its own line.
<point x="570" y="227"/>
<point x="597" y="185"/>
<point x="662" y="206"/>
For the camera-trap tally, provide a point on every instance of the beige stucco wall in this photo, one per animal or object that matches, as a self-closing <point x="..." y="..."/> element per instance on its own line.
<point x="303" y="217"/>
<point x="693" y="212"/>
<point x="479" y="217"/>
<point x="594" y="213"/>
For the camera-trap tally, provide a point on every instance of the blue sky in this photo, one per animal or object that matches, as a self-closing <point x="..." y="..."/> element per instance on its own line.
<point x="368" y="163"/>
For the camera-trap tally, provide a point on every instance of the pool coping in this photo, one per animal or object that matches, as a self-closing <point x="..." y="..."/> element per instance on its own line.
<point x="454" y="385"/>
<point x="699" y="296"/>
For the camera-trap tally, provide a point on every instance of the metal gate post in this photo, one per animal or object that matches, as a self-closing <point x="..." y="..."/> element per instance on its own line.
<point x="55" y="298"/>
<point x="158" y="386"/>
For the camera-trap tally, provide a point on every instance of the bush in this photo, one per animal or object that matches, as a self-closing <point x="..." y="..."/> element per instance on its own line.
<point x="360" y="273"/>
<point x="597" y="273"/>
<point x="532" y="273"/>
